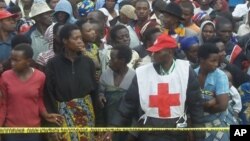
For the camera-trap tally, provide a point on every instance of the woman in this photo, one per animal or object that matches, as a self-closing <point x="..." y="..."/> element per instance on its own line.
<point x="215" y="89"/>
<point x="190" y="46"/>
<point x="207" y="31"/>
<point x="22" y="95"/>
<point x="71" y="84"/>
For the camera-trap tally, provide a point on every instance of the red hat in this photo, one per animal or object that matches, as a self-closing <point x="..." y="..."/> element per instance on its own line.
<point x="6" y="14"/>
<point x="163" y="41"/>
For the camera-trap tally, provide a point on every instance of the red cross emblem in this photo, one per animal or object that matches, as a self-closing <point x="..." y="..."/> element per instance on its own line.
<point x="164" y="100"/>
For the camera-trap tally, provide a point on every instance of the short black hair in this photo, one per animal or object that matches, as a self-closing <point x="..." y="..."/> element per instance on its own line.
<point x="221" y="21"/>
<point x="138" y="1"/>
<point x="124" y="52"/>
<point x="158" y="5"/>
<point x="124" y="2"/>
<point x="206" y="49"/>
<point x="81" y="22"/>
<point x="26" y="49"/>
<point x="14" y="9"/>
<point x="228" y="15"/>
<point x="66" y="31"/>
<point x="18" y="39"/>
<point x="188" y="5"/>
<point x="114" y="30"/>
<point x="147" y="34"/>
<point x="99" y="15"/>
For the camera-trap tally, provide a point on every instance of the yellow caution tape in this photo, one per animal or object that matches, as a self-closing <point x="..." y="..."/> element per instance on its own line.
<point x="7" y="130"/>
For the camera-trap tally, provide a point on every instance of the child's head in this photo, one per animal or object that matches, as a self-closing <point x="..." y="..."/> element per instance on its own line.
<point x="230" y="77"/>
<point x="87" y="30"/>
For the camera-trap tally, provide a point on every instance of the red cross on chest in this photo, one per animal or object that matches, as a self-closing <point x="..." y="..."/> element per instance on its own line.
<point x="164" y="100"/>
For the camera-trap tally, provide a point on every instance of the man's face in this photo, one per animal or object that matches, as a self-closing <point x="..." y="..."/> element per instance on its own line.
<point x="44" y="18"/>
<point x="8" y="24"/>
<point x="163" y="56"/>
<point x="187" y="15"/>
<point x="225" y="32"/>
<point x="142" y="10"/>
<point x="169" y="20"/>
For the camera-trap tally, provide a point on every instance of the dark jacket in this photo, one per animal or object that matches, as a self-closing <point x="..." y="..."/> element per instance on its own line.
<point x="66" y="80"/>
<point x="130" y="108"/>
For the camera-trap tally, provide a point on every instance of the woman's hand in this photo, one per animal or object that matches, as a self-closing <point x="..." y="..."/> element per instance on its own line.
<point x="210" y="103"/>
<point x="102" y="100"/>
<point x="53" y="118"/>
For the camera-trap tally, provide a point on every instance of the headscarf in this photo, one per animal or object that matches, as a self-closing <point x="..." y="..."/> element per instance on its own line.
<point x="85" y="7"/>
<point x="205" y="23"/>
<point x="187" y="42"/>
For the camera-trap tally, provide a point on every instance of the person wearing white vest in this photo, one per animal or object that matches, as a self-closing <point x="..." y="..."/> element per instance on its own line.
<point x="161" y="94"/>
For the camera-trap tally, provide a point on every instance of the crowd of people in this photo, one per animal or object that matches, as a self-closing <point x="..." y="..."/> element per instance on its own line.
<point x="124" y="63"/>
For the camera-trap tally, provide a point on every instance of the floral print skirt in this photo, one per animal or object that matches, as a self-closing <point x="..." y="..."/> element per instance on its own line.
<point x="78" y="113"/>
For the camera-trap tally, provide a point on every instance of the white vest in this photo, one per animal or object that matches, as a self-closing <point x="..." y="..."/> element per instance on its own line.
<point x="169" y="102"/>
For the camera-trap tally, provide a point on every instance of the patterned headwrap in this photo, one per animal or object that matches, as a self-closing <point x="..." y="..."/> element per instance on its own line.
<point x="187" y="42"/>
<point x="85" y="7"/>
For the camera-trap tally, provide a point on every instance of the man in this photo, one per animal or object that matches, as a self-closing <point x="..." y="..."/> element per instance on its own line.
<point x="188" y="12"/>
<point x="162" y="93"/>
<point x="142" y="11"/>
<point x="224" y="30"/>
<point x="64" y="13"/>
<point x="7" y="29"/>
<point x="204" y="6"/>
<point x="41" y="13"/>
<point x="126" y="15"/>
<point x="172" y="17"/>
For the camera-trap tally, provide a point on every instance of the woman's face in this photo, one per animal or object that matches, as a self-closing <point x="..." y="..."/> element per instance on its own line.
<point x="74" y="43"/>
<point x="18" y="61"/>
<point x="122" y="37"/>
<point x="208" y="32"/>
<point x="222" y="49"/>
<point x="211" y="63"/>
<point x="192" y="53"/>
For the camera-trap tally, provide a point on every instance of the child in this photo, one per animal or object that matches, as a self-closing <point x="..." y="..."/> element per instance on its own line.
<point x="234" y="94"/>
<point x="235" y="104"/>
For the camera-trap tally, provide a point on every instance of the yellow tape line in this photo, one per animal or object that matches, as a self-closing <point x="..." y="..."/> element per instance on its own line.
<point x="7" y="130"/>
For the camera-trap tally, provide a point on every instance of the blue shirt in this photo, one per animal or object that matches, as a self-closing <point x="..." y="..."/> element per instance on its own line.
<point x="5" y="48"/>
<point x="216" y="82"/>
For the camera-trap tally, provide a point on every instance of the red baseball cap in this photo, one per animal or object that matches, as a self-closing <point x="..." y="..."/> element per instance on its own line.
<point x="163" y="41"/>
<point x="6" y="14"/>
